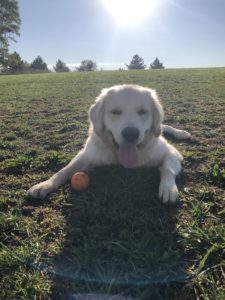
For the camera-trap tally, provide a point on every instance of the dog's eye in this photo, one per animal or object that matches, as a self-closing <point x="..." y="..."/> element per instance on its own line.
<point x="142" y="112"/>
<point x="116" y="112"/>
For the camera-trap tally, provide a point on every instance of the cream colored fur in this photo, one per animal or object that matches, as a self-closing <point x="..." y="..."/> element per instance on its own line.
<point x="116" y="108"/>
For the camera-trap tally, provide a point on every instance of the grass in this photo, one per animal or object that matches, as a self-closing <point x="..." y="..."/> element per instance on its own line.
<point x="115" y="237"/>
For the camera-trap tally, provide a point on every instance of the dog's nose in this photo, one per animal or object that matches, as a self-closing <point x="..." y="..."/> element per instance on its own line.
<point x="130" y="134"/>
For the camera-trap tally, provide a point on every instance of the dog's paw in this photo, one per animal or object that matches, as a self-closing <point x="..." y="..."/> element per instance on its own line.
<point x="41" y="190"/>
<point x="185" y="135"/>
<point x="182" y="134"/>
<point x="168" y="192"/>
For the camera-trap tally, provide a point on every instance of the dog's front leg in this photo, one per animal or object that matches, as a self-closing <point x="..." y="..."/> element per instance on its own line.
<point x="79" y="163"/>
<point x="171" y="166"/>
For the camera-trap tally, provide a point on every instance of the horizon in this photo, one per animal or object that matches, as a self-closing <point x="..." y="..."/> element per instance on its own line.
<point x="117" y="67"/>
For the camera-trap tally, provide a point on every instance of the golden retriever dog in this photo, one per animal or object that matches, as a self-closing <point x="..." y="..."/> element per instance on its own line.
<point x="125" y="128"/>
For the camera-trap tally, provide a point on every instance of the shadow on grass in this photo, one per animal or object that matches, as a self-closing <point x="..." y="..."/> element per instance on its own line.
<point x="120" y="238"/>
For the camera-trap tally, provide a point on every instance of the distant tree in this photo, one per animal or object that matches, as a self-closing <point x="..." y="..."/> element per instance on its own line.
<point x="87" y="65"/>
<point x="61" y="66"/>
<point x="14" y="63"/>
<point x="39" y="64"/>
<point x="137" y="63"/>
<point x="9" y="26"/>
<point x="27" y="67"/>
<point x="156" y="64"/>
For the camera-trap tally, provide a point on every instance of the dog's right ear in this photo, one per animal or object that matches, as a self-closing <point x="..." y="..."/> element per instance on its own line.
<point x="96" y="113"/>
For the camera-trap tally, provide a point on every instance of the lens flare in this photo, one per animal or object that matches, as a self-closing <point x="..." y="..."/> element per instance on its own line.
<point x="130" y="12"/>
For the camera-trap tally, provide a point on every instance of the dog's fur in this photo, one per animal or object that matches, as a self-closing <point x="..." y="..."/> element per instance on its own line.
<point x="138" y="110"/>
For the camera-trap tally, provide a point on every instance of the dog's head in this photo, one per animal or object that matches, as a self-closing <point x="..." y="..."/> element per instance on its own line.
<point x="128" y="114"/>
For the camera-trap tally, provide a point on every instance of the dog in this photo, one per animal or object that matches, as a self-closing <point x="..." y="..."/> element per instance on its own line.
<point x="125" y="128"/>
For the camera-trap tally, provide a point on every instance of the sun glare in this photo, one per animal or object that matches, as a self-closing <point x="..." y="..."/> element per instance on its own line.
<point x="130" y="12"/>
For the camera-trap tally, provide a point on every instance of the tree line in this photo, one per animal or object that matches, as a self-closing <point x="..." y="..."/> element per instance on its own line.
<point x="137" y="63"/>
<point x="13" y="63"/>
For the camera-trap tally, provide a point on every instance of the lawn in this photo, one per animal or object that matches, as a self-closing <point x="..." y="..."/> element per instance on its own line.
<point x="115" y="237"/>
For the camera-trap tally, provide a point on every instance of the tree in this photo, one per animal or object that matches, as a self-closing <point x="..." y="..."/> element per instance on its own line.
<point x="9" y="26"/>
<point x="137" y="63"/>
<point x="87" y="65"/>
<point x="61" y="66"/>
<point x="156" y="64"/>
<point x="39" y="64"/>
<point x="14" y="63"/>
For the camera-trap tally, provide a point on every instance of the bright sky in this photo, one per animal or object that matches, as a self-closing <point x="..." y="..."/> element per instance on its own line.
<point x="181" y="33"/>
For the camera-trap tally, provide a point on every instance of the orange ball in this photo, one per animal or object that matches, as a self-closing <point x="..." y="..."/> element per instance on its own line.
<point x="80" y="181"/>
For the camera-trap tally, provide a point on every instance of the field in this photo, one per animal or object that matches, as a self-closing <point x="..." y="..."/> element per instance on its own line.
<point x="115" y="237"/>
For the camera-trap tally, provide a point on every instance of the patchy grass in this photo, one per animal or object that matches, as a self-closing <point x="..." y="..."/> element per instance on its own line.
<point x="115" y="237"/>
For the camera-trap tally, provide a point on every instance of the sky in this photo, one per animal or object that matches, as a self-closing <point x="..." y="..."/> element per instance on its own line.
<point x="181" y="33"/>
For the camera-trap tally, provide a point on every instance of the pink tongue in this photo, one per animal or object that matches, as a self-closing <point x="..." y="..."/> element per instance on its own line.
<point x="128" y="156"/>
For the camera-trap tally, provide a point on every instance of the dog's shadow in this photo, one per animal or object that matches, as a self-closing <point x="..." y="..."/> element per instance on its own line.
<point x="118" y="234"/>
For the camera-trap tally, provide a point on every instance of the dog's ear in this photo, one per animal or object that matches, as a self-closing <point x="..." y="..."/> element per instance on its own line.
<point x="96" y="117"/>
<point x="158" y="113"/>
<point x="96" y="114"/>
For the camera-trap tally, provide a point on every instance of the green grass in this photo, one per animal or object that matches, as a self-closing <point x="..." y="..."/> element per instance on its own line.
<point x="115" y="237"/>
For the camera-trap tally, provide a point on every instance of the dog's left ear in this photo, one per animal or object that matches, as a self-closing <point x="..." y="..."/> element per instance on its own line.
<point x="96" y="117"/>
<point x="158" y="112"/>
<point x="96" y="113"/>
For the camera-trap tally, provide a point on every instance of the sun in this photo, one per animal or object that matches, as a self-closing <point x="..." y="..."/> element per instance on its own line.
<point x="130" y="12"/>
